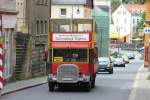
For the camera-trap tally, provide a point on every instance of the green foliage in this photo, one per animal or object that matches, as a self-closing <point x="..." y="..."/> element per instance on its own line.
<point x="141" y="22"/>
<point x="116" y="54"/>
<point x="148" y="77"/>
<point x="115" y="3"/>
<point x="133" y="1"/>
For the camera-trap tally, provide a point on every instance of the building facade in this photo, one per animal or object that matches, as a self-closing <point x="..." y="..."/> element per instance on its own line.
<point x="8" y="30"/>
<point x="72" y="9"/>
<point x="126" y="18"/>
<point x="31" y="38"/>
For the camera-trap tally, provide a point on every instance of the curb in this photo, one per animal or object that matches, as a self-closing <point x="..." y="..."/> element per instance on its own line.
<point x="133" y="92"/>
<point x="22" y="88"/>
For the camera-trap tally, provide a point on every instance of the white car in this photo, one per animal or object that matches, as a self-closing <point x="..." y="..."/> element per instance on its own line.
<point x="119" y="62"/>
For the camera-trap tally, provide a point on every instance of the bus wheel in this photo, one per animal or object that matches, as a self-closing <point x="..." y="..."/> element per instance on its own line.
<point x="88" y="86"/>
<point x="51" y="86"/>
<point x="93" y="84"/>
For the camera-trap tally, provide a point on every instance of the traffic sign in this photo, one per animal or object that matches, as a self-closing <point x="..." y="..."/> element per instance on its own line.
<point x="147" y="30"/>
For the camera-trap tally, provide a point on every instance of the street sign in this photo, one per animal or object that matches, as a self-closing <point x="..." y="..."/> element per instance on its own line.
<point x="147" y="30"/>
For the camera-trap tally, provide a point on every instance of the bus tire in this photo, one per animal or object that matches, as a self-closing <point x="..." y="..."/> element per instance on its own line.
<point x="93" y="84"/>
<point x="88" y="86"/>
<point x="51" y="87"/>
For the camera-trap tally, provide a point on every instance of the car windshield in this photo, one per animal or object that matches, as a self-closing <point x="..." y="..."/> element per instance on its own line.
<point x="103" y="60"/>
<point x="119" y="59"/>
<point x="124" y="56"/>
<point x="130" y="54"/>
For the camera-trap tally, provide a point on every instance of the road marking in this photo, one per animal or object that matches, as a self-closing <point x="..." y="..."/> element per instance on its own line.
<point x="133" y="92"/>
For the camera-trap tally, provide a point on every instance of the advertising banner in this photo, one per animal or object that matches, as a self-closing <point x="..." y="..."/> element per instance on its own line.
<point x="70" y="37"/>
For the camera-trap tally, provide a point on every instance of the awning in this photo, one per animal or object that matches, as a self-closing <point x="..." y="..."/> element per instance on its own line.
<point x="137" y="39"/>
<point x="117" y="36"/>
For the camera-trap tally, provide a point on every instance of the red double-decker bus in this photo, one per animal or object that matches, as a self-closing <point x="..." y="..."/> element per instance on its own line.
<point x="72" y="53"/>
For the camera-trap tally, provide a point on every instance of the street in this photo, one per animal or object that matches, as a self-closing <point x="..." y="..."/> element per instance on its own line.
<point x="115" y="86"/>
<point x="53" y="49"/>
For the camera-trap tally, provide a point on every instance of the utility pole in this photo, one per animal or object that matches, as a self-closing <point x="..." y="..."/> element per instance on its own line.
<point x="147" y="35"/>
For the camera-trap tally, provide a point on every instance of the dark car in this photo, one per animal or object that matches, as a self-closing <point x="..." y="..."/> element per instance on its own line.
<point x="105" y="65"/>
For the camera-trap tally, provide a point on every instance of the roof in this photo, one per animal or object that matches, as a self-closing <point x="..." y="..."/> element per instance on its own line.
<point x="68" y="2"/>
<point x="135" y="7"/>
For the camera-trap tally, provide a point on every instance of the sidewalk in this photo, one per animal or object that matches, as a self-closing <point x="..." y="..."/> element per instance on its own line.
<point x="24" y="84"/>
<point x="141" y="87"/>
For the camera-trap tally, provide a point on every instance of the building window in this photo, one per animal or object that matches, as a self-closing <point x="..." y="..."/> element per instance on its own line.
<point x="138" y="20"/>
<point x="37" y="27"/>
<point x="133" y="21"/>
<point x="42" y="27"/>
<point x="41" y="2"/>
<point x="46" y="2"/>
<point x="124" y="29"/>
<point x="46" y="27"/>
<point x="117" y="20"/>
<point x="38" y="2"/>
<point x="63" y="12"/>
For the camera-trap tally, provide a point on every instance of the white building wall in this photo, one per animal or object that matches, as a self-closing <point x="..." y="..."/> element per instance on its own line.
<point x="127" y="27"/>
<point x="122" y="22"/>
<point x="71" y="9"/>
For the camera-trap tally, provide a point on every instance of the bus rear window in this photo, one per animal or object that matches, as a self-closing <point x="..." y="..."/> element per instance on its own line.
<point x="70" y="55"/>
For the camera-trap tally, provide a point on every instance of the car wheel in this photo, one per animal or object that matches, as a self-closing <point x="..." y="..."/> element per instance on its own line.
<point x="111" y="71"/>
<point x="124" y="65"/>
<point x="93" y="84"/>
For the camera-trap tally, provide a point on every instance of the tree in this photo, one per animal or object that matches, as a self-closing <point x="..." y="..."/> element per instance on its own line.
<point x="141" y="22"/>
<point x="140" y="25"/>
<point x="133" y="1"/>
<point x="115" y="4"/>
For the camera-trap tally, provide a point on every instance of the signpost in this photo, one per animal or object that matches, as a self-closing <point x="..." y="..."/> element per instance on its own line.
<point x="147" y="30"/>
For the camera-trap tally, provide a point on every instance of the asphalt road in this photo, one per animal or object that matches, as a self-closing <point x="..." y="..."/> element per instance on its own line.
<point x="108" y="87"/>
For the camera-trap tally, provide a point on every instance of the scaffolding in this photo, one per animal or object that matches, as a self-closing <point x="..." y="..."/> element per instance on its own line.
<point x="101" y="16"/>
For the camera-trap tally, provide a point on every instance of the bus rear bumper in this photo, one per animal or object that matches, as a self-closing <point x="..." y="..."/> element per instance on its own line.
<point x="82" y="78"/>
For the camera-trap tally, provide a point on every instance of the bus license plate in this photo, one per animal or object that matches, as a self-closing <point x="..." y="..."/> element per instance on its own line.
<point x="67" y="79"/>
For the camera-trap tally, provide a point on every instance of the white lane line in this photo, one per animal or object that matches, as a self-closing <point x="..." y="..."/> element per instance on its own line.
<point x="133" y="93"/>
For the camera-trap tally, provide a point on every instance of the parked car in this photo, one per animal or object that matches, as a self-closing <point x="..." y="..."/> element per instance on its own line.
<point x="131" y="56"/>
<point x="119" y="62"/>
<point x="141" y="50"/>
<point x="105" y="65"/>
<point x="125" y="59"/>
